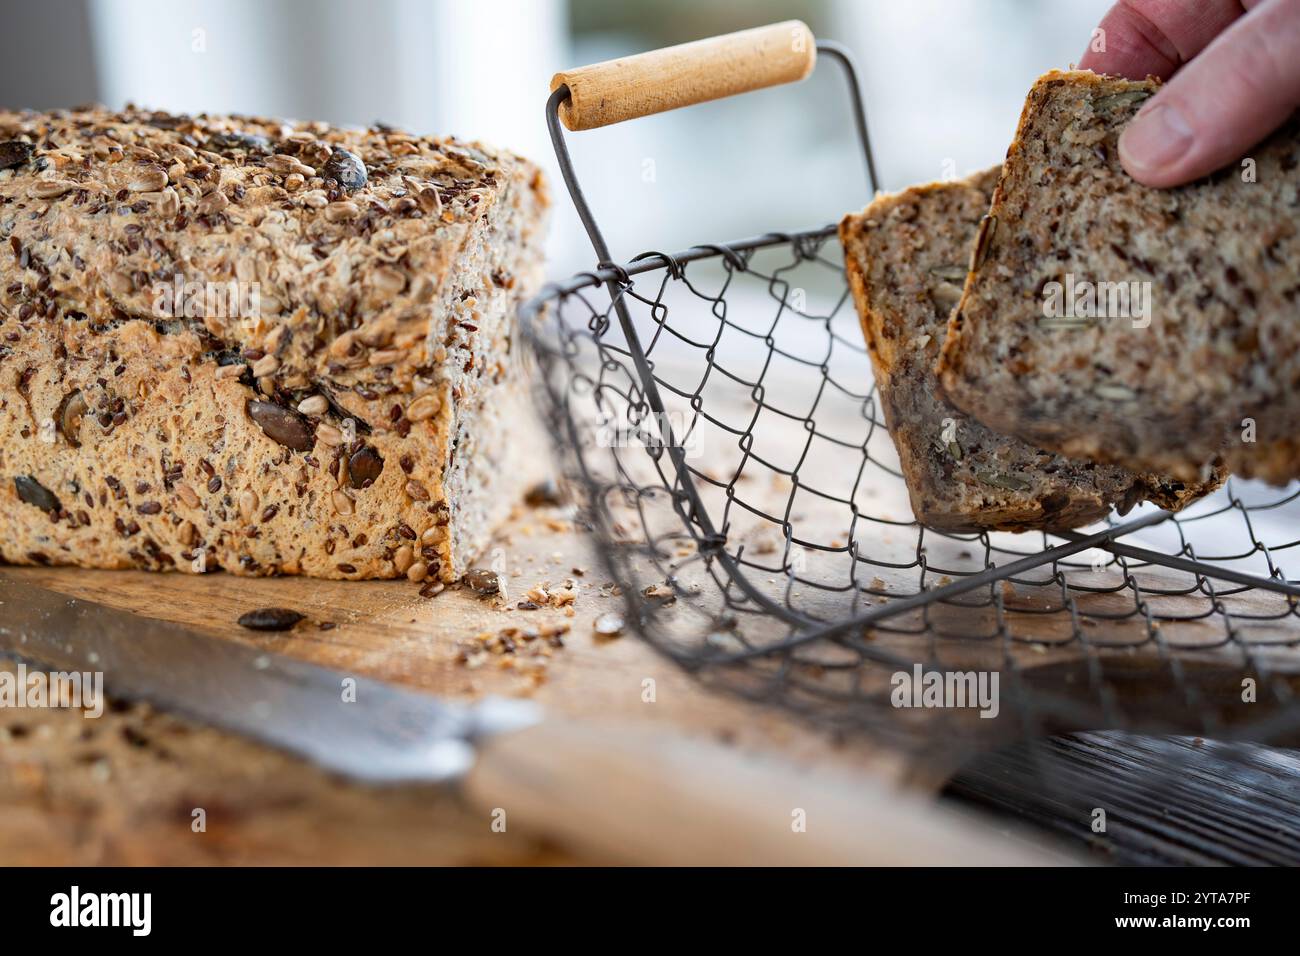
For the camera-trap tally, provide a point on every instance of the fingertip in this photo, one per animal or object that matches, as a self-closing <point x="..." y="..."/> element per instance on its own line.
<point x="1156" y="178"/>
<point x="1155" y="144"/>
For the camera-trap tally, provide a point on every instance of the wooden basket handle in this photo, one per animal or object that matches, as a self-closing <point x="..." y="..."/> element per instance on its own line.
<point x="661" y="80"/>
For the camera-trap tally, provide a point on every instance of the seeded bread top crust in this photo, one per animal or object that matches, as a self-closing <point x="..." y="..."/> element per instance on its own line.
<point x="352" y="236"/>
<point x="906" y="256"/>
<point x="1219" y="258"/>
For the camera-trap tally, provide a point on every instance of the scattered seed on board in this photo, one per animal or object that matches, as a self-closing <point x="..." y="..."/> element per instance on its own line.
<point x="270" y="619"/>
<point x="483" y="581"/>
<point x="543" y="493"/>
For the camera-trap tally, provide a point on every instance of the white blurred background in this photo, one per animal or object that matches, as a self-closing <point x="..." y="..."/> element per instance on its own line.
<point x="943" y="79"/>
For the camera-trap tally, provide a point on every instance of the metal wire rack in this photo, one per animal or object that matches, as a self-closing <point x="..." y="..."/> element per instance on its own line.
<point x="716" y="415"/>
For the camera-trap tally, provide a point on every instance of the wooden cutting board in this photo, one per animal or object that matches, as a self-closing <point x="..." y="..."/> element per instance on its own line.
<point x="124" y="789"/>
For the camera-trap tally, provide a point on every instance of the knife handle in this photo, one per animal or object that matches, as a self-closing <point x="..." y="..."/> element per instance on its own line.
<point x="646" y="799"/>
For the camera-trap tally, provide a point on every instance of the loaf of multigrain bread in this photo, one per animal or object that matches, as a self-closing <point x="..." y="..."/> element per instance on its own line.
<point x="907" y="256"/>
<point x="260" y="346"/>
<point x="1154" y="328"/>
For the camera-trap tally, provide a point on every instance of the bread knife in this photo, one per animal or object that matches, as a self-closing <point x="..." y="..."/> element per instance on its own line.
<point x="631" y="795"/>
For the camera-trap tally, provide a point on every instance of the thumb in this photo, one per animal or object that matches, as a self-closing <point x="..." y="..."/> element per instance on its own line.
<point x="1242" y="86"/>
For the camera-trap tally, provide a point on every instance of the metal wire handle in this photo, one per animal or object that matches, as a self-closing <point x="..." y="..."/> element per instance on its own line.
<point x="561" y="95"/>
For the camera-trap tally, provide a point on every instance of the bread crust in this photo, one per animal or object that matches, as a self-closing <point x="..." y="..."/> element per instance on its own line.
<point x="1209" y="376"/>
<point x="352" y="420"/>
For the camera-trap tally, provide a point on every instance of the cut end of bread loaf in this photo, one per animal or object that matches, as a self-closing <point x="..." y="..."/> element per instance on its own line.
<point x="262" y="347"/>
<point x="907" y="256"/>
<point x="1151" y="328"/>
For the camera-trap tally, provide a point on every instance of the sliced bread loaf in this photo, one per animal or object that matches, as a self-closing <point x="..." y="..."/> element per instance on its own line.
<point x="1152" y="328"/>
<point x="906" y="255"/>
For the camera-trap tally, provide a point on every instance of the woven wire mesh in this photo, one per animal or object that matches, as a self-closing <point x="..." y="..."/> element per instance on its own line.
<point x="716" y="415"/>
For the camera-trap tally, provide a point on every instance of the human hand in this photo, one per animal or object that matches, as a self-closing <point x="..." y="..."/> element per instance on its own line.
<point x="1233" y="68"/>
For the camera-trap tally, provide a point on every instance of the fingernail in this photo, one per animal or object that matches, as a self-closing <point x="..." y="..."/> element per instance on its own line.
<point x="1155" y="139"/>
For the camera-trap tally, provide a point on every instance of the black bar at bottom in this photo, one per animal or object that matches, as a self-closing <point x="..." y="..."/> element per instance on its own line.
<point x="338" y="907"/>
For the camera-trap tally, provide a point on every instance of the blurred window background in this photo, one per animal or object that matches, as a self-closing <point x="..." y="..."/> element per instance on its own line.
<point x="943" y="82"/>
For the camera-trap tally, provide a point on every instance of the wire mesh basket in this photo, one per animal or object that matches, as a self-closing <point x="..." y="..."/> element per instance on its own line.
<point x="716" y="414"/>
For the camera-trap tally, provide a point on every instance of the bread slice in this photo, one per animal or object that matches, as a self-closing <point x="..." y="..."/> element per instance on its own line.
<point x="273" y="348"/>
<point x="1213" y="366"/>
<point x="906" y="255"/>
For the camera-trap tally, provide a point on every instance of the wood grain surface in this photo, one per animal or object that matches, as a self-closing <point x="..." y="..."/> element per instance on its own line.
<point x="122" y="789"/>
